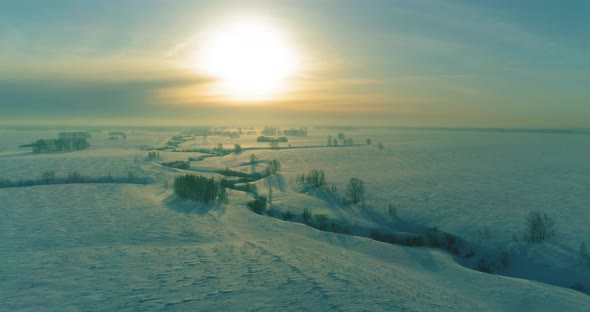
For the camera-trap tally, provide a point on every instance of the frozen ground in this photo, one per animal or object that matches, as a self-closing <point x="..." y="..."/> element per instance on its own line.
<point x="127" y="247"/>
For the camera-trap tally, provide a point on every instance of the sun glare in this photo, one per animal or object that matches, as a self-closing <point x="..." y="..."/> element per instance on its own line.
<point x="250" y="59"/>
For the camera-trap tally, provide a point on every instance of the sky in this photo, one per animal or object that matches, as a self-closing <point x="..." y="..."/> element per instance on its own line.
<point x="468" y="63"/>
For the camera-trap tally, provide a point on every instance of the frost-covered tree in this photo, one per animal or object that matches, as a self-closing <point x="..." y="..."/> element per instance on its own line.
<point x="539" y="227"/>
<point x="355" y="192"/>
<point x="273" y="167"/>
<point x="237" y="149"/>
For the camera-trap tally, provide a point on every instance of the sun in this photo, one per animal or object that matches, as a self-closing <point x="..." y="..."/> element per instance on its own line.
<point x="250" y="59"/>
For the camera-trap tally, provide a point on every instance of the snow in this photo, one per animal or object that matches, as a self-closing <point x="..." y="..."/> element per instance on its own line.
<point x="137" y="247"/>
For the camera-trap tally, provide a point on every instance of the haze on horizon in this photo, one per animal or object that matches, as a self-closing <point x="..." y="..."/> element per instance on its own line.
<point x="395" y="63"/>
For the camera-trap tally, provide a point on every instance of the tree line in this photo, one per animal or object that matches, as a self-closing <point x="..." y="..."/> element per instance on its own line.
<point x="59" y="145"/>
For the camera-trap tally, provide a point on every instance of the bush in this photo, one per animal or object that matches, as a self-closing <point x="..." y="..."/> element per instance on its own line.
<point x="200" y="188"/>
<point x="578" y="286"/>
<point x="273" y="167"/>
<point x="306" y="215"/>
<point x="48" y="176"/>
<point x="539" y="227"/>
<point x="413" y="241"/>
<point x="337" y="228"/>
<point x="5" y="182"/>
<point x="392" y="212"/>
<point x="584" y="254"/>
<point x="383" y="237"/>
<point x="179" y="164"/>
<point x="483" y="266"/>
<point x="153" y="155"/>
<point x="59" y="145"/>
<point x="295" y="132"/>
<point x="315" y="178"/>
<point x="237" y="149"/>
<point x="247" y="177"/>
<point x="504" y="260"/>
<point x="258" y="205"/>
<point x="355" y="192"/>
<point x="74" y="177"/>
<point x="269" y="139"/>
<point x="322" y="221"/>
<point x="288" y="215"/>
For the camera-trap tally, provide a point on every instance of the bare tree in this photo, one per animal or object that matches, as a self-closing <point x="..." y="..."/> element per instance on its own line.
<point x="539" y="227"/>
<point x="355" y="192"/>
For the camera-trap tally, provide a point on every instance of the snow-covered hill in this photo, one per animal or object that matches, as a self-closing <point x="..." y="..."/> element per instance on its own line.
<point x="137" y="247"/>
<point x="113" y="247"/>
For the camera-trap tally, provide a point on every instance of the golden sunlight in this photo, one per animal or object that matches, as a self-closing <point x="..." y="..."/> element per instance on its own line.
<point x="251" y="59"/>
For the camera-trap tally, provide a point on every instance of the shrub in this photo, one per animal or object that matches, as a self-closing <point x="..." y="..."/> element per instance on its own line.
<point x="6" y="182"/>
<point x="504" y="260"/>
<point x="484" y="234"/>
<point x="153" y="155"/>
<point x="451" y="243"/>
<point x="392" y="212"/>
<point x="322" y="221"/>
<point x="273" y="167"/>
<point x="179" y="164"/>
<point x="338" y="228"/>
<point x="380" y="146"/>
<point x="74" y="177"/>
<point x="355" y="192"/>
<point x="237" y="149"/>
<point x="483" y="266"/>
<point x="248" y="177"/>
<point x="539" y="227"/>
<point x="306" y="215"/>
<point x="469" y="252"/>
<point x="200" y="188"/>
<point x="413" y="241"/>
<point x="315" y="178"/>
<point x="48" y="176"/>
<point x="584" y="254"/>
<point x="288" y="215"/>
<point x="59" y="145"/>
<point x="432" y="237"/>
<point x="250" y="188"/>
<point x="578" y="286"/>
<point x="258" y="205"/>
<point x="295" y="132"/>
<point x="383" y="237"/>
<point x="269" y="139"/>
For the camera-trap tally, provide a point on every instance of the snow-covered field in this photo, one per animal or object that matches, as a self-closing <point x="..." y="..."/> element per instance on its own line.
<point x="134" y="247"/>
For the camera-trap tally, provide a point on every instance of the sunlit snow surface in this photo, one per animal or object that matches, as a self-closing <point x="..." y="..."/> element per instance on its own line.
<point x="130" y="247"/>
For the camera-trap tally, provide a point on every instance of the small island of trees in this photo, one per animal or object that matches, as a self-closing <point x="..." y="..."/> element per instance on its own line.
<point x="200" y="188"/>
